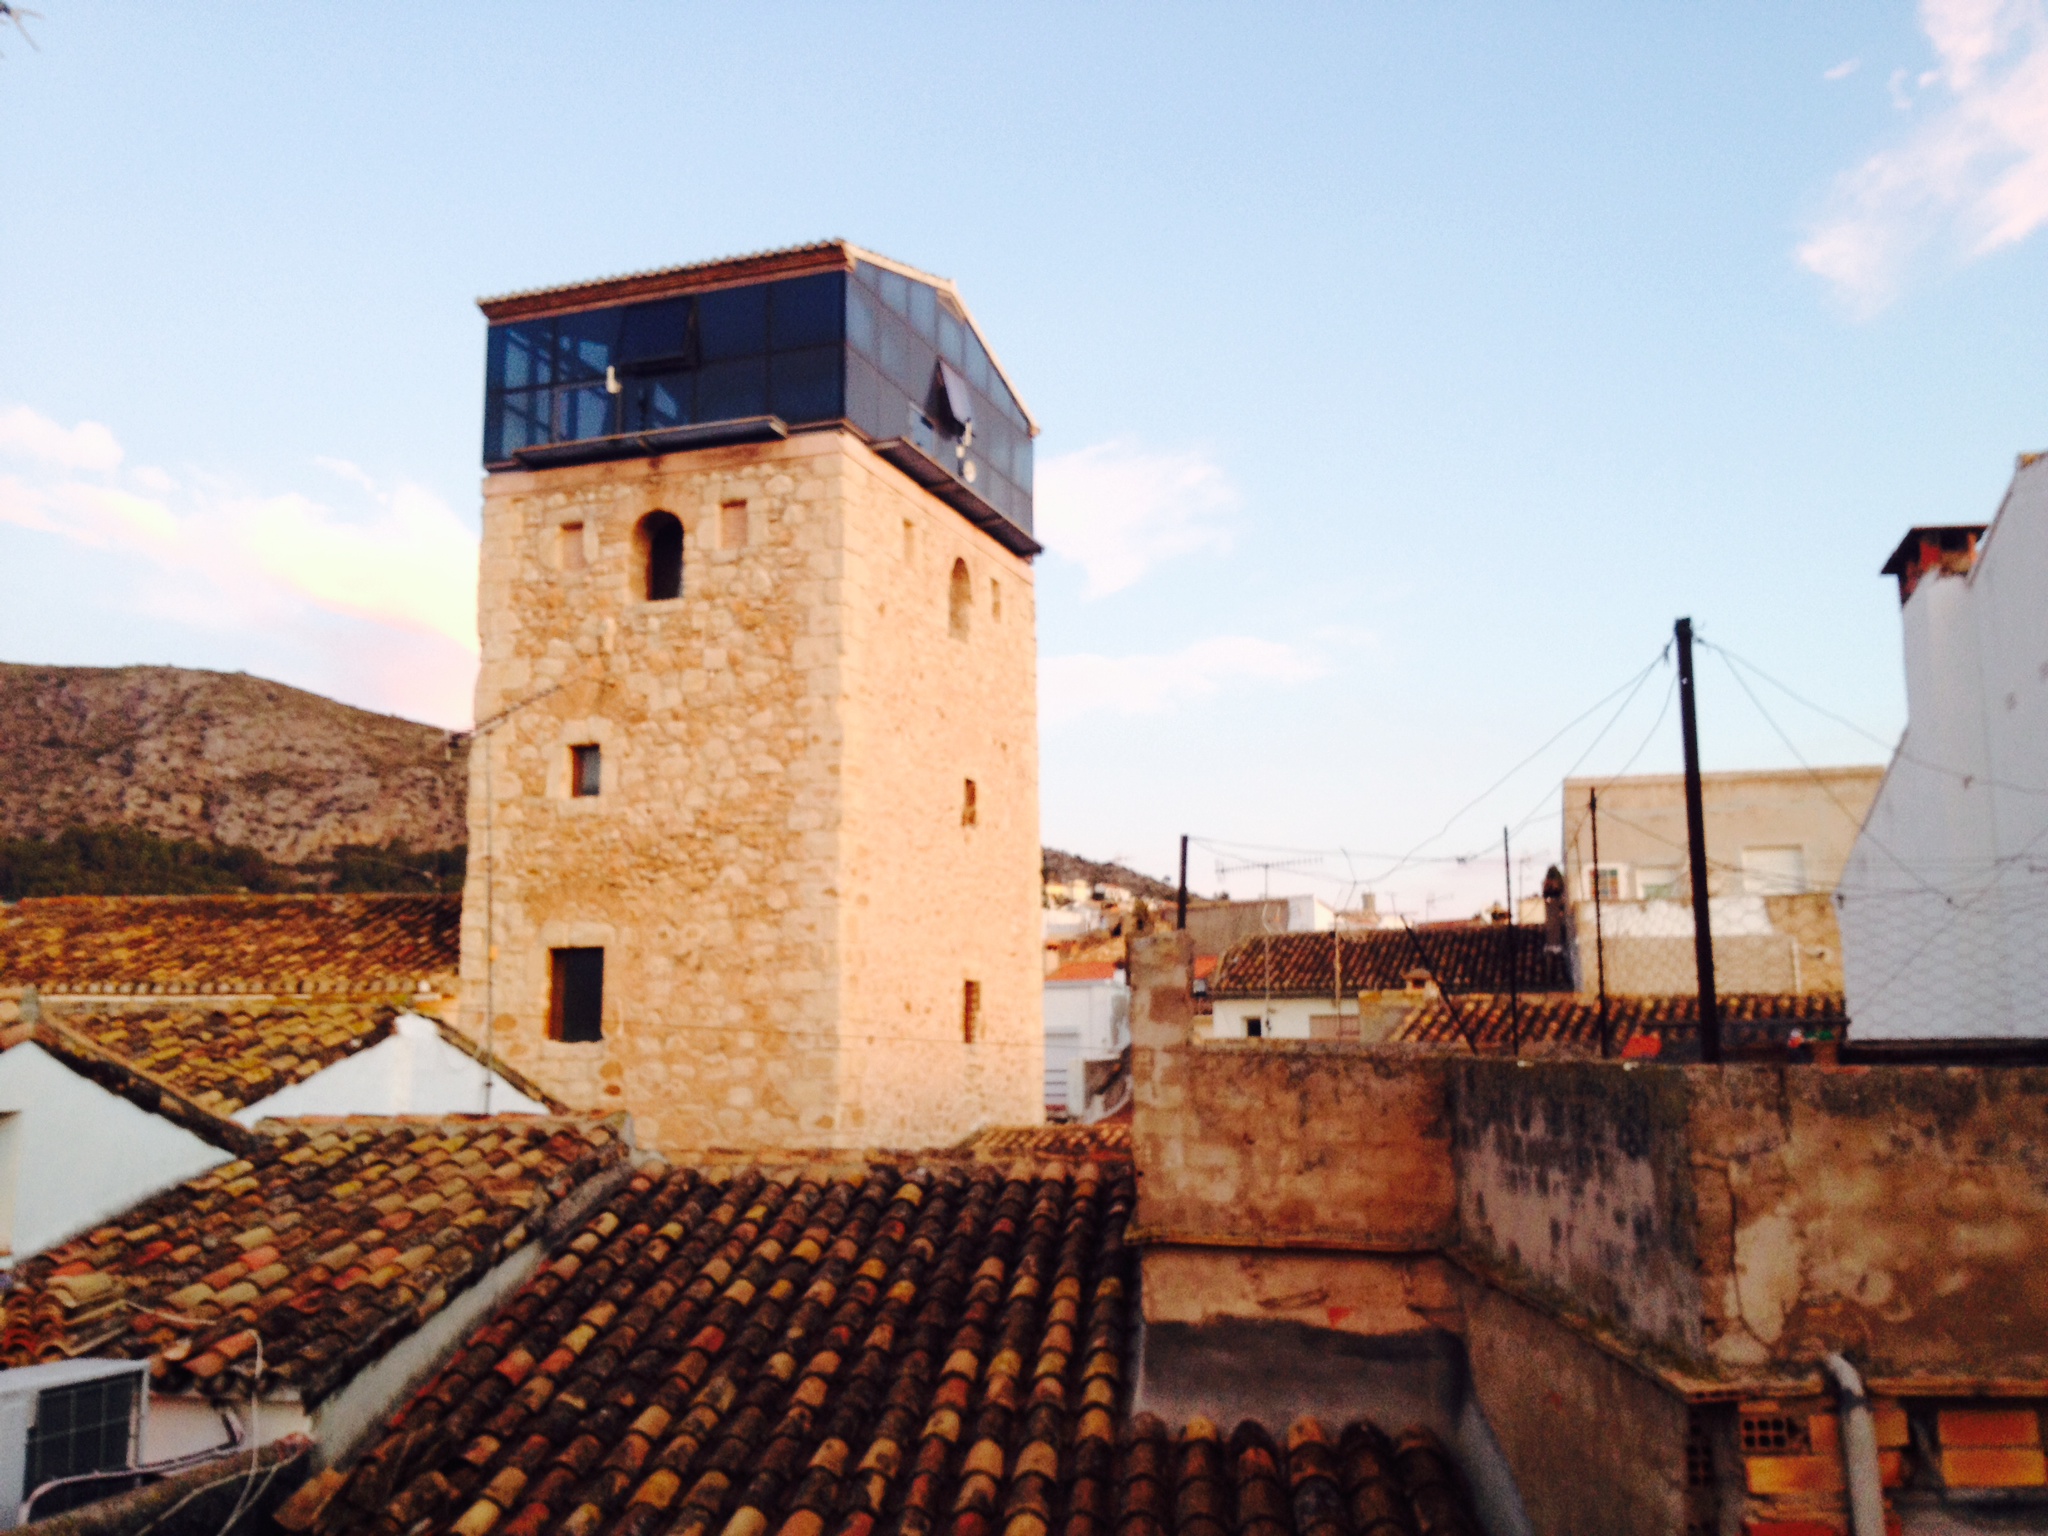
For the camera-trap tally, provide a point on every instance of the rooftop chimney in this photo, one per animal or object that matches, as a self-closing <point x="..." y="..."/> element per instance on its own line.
<point x="1949" y="550"/>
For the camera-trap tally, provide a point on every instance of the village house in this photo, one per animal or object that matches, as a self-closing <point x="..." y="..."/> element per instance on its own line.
<point x="758" y="679"/>
<point x="1777" y="842"/>
<point x="1942" y="899"/>
<point x="1087" y="1029"/>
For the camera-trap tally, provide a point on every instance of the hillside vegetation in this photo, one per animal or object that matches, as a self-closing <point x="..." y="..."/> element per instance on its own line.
<point x="221" y="759"/>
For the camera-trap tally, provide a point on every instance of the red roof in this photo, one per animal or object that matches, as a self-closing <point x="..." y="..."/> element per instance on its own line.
<point x="1574" y="1020"/>
<point x="1462" y="958"/>
<point x="1086" y="970"/>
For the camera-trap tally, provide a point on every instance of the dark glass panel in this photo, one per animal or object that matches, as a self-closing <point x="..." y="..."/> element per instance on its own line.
<point x="895" y="289"/>
<point x="520" y="354"/>
<point x="872" y="403"/>
<point x="1023" y="475"/>
<point x="952" y="339"/>
<point x="804" y="386"/>
<point x="521" y="421"/>
<point x="732" y="389"/>
<point x="924" y="311"/>
<point x="861" y="319"/>
<point x="732" y="323"/>
<point x="979" y="372"/>
<point x="658" y="330"/>
<point x="918" y="427"/>
<point x="660" y="401"/>
<point x="581" y="413"/>
<point x="902" y="358"/>
<point x="585" y="344"/>
<point x="806" y="311"/>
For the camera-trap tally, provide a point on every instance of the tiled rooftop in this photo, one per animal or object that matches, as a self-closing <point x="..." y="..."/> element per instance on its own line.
<point x="1573" y="1021"/>
<point x="942" y="1351"/>
<point x="1463" y="957"/>
<point x="331" y="1241"/>
<point x="221" y="1059"/>
<point x="234" y="944"/>
<point x="1110" y="1139"/>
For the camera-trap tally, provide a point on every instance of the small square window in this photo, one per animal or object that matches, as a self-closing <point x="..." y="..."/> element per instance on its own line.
<point x="1254" y="1027"/>
<point x="967" y="806"/>
<point x="970" y="1011"/>
<point x="576" y="995"/>
<point x="586" y="771"/>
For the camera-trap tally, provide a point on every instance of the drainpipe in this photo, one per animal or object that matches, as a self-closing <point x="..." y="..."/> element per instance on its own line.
<point x="1859" y="1450"/>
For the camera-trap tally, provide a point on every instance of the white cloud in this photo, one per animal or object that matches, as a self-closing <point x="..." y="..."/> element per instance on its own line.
<point x="1972" y="174"/>
<point x="1117" y="510"/>
<point x="1150" y="684"/>
<point x="1843" y="70"/>
<point x="27" y="434"/>
<point x="398" y="562"/>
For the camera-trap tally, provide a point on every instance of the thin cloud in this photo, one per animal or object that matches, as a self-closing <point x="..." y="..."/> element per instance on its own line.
<point x="1118" y="509"/>
<point x="1843" y="70"/>
<point x="1070" y="687"/>
<point x="396" y="567"/>
<point x="1972" y="173"/>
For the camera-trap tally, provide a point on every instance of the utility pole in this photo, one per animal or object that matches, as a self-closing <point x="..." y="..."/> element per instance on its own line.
<point x="1180" y="906"/>
<point x="1599" y="933"/>
<point x="1507" y="868"/>
<point x="1696" y="850"/>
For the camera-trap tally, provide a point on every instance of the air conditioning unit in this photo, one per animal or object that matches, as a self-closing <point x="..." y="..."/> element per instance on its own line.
<point x="63" y="1428"/>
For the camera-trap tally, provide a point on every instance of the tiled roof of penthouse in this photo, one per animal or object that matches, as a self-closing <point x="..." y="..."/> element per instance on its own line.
<point x="231" y="944"/>
<point x="331" y="1242"/>
<point x="1461" y="957"/>
<point x="1572" y="1023"/>
<point x="804" y="1355"/>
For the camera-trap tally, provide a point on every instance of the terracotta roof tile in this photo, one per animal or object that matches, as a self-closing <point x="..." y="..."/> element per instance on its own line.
<point x="1110" y="1139"/>
<point x="942" y="1353"/>
<point x="330" y="1241"/>
<point x="1464" y="958"/>
<point x="223" y="1058"/>
<point x="1573" y="1021"/>
<point x="1086" y="970"/>
<point x="246" y="944"/>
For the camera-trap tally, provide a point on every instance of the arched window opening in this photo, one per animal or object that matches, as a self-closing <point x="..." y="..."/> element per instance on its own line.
<point x="660" y="540"/>
<point x="962" y="600"/>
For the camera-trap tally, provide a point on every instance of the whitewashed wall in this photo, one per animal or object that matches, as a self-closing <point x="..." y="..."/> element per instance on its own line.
<point x="1944" y="903"/>
<point x="72" y="1154"/>
<point x="413" y="1071"/>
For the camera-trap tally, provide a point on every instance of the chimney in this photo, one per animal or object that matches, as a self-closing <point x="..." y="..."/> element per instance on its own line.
<point x="1949" y="550"/>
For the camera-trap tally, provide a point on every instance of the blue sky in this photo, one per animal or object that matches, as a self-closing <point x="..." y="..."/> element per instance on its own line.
<point x="1404" y="371"/>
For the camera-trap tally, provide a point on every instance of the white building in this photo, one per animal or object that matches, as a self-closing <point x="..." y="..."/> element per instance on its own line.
<point x="1944" y="902"/>
<point x="1087" y="1019"/>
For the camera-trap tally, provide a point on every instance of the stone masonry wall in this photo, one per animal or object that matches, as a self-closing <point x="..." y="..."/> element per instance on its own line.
<point x="717" y="868"/>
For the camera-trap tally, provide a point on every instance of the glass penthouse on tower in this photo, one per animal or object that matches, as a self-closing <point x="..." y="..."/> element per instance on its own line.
<point x="756" y="348"/>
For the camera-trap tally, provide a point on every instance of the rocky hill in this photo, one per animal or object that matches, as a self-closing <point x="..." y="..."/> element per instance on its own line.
<point x="1066" y="867"/>
<point x="223" y="758"/>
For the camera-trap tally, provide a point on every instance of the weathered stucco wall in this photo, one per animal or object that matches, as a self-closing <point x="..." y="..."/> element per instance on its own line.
<point x="1743" y="1221"/>
<point x="776" y="867"/>
<point x="1899" y="1213"/>
<point x="1281" y="1143"/>
<point x="1578" y="1184"/>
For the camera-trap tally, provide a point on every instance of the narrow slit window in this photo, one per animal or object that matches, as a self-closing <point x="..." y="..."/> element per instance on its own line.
<point x="970" y="1011"/>
<point x="995" y="600"/>
<point x="968" y="812"/>
<point x="732" y="525"/>
<point x="576" y="995"/>
<point x="661" y="556"/>
<point x="960" y="601"/>
<point x="586" y="771"/>
<point x="569" y="546"/>
<point x="909" y="540"/>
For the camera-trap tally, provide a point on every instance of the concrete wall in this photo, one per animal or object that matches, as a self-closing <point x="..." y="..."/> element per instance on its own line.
<point x="1944" y="929"/>
<point x="785" y="750"/>
<point x="73" y="1154"/>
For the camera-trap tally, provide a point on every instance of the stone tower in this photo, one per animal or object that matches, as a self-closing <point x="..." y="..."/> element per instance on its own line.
<point x="754" y="799"/>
